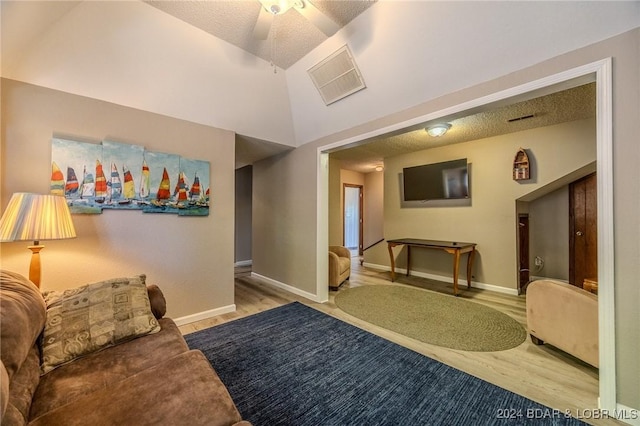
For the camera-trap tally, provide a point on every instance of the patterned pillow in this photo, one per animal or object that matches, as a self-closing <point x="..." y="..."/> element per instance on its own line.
<point x="93" y="317"/>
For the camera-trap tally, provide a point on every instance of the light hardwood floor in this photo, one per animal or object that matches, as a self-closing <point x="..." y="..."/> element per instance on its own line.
<point x="541" y="373"/>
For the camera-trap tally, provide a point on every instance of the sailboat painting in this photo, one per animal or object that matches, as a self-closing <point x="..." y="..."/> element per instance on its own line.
<point x="119" y="176"/>
<point x="119" y="158"/>
<point x="73" y="174"/>
<point x="191" y="198"/>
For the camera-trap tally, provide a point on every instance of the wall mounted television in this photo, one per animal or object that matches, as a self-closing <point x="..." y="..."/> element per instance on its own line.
<point x="448" y="180"/>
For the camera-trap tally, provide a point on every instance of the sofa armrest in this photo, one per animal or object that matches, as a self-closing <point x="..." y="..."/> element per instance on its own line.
<point x="334" y="269"/>
<point x="564" y="316"/>
<point x="157" y="301"/>
<point x="340" y="251"/>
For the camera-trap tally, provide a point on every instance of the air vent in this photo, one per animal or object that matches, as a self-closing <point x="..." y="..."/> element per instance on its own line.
<point x="524" y="117"/>
<point x="337" y="76"/>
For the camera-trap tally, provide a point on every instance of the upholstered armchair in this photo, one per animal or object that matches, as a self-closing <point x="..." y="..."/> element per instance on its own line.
<point x="564" y="316"/>
<point x="339" y="266"/>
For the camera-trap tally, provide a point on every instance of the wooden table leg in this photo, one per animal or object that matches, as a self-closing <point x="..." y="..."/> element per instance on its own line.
<point x="393" y="262"/>
<point x="456" y="264"/>
<point x="408" y="259"/>
<point x="472" y="254"/>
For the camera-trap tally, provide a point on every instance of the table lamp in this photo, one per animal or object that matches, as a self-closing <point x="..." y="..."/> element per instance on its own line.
<point x="35" y="217"/>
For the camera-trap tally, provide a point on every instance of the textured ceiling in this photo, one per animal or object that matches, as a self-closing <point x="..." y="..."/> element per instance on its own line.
<point x="291" y="36"/>
<point x="568" y="105"/>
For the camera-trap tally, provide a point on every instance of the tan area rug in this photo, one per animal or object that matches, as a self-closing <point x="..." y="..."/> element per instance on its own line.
<point x="433" y="318"/>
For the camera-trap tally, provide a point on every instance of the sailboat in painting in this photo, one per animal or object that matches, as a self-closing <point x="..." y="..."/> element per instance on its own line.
<point x="88" y="187"/>
<point x="114" y="185"/>
<point x="129" y="188"/>
<point x="144" y="183"/>
<point x="180" y="193"/>
<point x="72" y="185"/>
<point x="101" y="184"/>
<point x="164" y="192"/>
<point x="57" y="180"/>
<point x="195" y="190"/>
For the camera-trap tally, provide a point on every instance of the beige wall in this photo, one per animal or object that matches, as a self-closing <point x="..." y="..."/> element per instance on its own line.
<point x="191" y="258"/>
<point x="549" y="234"/>
<point x="335" y="203"/>
<point x="373" y="208"/>
<point x="491" y="220"/>
<point x="298" y="170"/>
<point x="285" y="218"/>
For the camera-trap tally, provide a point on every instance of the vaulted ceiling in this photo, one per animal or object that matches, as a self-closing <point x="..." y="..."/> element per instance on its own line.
<point x="291" y="36"/>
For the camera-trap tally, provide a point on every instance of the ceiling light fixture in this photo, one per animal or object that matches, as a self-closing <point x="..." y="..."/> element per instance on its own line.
<point x="278" y="7"/>
<point x="379" y="168"/>
<point x="438" y="130"/>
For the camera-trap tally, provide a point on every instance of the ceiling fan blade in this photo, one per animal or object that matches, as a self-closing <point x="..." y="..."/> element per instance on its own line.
<point x="263" y="24"/>
<point x="319" y="19"/>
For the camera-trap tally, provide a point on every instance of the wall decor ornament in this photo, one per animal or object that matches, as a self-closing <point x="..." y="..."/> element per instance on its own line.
<point x="118" y="176"/>
<point x="521" y="165"/>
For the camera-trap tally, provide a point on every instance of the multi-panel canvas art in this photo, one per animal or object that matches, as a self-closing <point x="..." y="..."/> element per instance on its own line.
<point x="112" y="175"/>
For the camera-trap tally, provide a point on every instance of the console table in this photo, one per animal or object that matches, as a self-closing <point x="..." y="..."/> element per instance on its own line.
<point x="454" y="248"/>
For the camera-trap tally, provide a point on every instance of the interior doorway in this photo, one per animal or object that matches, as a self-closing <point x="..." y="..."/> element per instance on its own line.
<point x="523" y="246"/>
<point x="352" y="218"/>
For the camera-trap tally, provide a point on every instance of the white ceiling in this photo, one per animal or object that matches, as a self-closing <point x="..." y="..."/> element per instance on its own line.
<point x="291" y="36"/>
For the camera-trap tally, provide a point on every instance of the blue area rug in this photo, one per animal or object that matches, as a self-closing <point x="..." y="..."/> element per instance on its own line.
<point x="294" y="365"/>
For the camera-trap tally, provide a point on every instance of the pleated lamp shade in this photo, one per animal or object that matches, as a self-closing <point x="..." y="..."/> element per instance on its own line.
<point x="36" y="217"/>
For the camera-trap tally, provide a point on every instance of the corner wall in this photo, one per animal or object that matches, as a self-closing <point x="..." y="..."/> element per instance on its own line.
<point x="190" y="258"/>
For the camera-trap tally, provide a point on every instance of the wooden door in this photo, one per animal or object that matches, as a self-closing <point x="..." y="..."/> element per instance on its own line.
<point x="523" y="251"/>
<point x="583" y="230"/>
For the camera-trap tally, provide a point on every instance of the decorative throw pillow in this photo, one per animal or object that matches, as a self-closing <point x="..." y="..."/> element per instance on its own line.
<point x="94" y="317"/>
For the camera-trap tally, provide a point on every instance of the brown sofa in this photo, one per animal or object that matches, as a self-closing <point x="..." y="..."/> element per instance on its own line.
<point x="564" y="316"/>
<point x="148" y="380"/>
<point x="339" y="266"/>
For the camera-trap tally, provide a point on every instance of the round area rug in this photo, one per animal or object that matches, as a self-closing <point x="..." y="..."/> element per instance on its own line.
<point x="433" y="318"/>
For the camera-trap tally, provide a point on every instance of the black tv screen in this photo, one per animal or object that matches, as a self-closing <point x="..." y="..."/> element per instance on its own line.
<point x="438" y="181"/>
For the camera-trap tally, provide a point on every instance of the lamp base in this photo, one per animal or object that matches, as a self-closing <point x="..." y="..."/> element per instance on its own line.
<point x="34" y="267"/>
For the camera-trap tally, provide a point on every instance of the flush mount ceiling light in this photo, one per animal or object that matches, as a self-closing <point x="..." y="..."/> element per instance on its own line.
<point x="379" y="168"/>
<point x="278" y="7"/>
<point x="272" y="8"/>
<point x="438" y="130"/>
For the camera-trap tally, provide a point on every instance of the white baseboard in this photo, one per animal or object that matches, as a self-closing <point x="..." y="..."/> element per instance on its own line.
<point x="461" y="283"/>
<point x="205" y="315"/>
<point x="288" y="288"/>
<point x="243" y="263"/>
